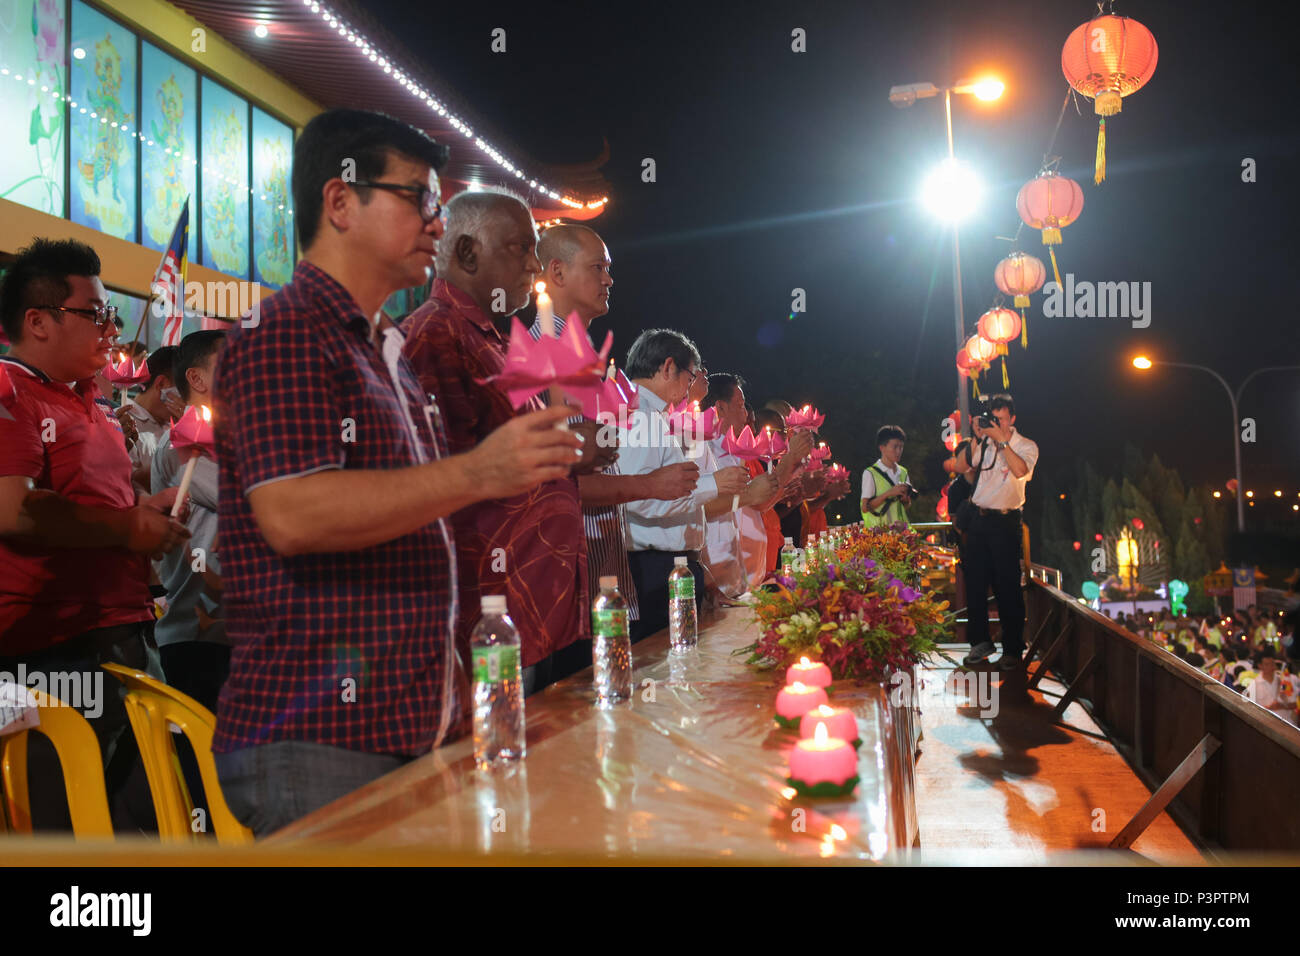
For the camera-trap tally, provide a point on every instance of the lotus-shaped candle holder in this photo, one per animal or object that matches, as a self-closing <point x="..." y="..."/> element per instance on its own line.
<point x="193" y="432"/>
<point x="124" y="374"/>
<point x="817" y="456"/>
<point x="612" y="398"/>
<point x="806" y="417"/>
<point x="568" y="362"/>
<point x="747" y="446"/>
<point x="836" y="472"/>
<point x="688" y="421"/>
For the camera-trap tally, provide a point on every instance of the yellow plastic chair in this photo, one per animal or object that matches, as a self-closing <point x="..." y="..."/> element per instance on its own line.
<point x="82" y="763"/>
<point x="153" y="707"/>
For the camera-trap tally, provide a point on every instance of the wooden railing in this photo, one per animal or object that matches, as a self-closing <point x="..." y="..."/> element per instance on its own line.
<point x="1226" y="769"/>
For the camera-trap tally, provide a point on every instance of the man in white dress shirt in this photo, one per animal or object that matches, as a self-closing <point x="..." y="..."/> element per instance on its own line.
<point x="665" y="365"/>
<point x="991" y="555"/>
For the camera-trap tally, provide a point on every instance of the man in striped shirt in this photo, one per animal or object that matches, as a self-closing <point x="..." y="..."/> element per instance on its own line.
<point x="576" y="268"/>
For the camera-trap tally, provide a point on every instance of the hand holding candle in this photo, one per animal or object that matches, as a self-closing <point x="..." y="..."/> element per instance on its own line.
<point x="194" y="433"/>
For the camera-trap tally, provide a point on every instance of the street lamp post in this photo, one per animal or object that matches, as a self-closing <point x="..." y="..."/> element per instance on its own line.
<point x="1142" y="362"/>
<point x="904" y="96"/>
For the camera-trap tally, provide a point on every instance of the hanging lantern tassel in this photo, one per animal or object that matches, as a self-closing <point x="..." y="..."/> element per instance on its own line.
<point x="1100" y="175"/>
<point x="1056" y="271"/>
<point x="1024" y="330"/>
<point x="1006" y="382"/>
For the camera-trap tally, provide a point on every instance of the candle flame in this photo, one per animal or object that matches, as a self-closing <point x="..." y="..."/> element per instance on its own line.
<point x="838" y="832"/>
<point x="798" y="687"/>
<point x="789" y="792"/>
<point x="821" y="735"/>
<point x="804" y="662"/>
<point x="206" y="413"/>
<point x="540" y="288"/>
<point x="825" y="711"/>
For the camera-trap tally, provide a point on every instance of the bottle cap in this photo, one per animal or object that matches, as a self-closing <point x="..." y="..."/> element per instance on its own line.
<point x="494" y="604"/>
<point x="680" y="561"/>
<point x="609" y="581"/>
<point x="789" y="540"/>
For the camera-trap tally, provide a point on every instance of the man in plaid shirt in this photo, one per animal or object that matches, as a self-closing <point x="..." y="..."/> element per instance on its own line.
<point x="335" y="480"/>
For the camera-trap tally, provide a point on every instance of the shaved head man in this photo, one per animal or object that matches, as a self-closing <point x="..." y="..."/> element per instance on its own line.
<point x="577" y="271"/>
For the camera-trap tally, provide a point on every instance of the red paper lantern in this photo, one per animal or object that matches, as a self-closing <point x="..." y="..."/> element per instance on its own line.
<point x="1106" y="59"/>
<point x="1020" y="276"/>
<point x="1000" y="326"/>
<point x="1078" y="545"/>
<point x="1049" y="202"/>
<point x="981" y="350"/>
<point x="952" y="431"/>
<point x="970" y="368"/>
<point x="1137" y="523"/>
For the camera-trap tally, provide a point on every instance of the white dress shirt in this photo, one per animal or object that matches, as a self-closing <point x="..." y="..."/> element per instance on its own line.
<point x="998" y="489"/>
<point x="655" y="525"/>
<point x="735" y="554"/>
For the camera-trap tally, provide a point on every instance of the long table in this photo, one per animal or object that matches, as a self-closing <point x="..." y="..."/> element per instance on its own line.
<point x="692" y="765"/>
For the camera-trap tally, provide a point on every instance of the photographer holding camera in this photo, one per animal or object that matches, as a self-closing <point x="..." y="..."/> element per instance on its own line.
<point x="991" y="552"/>
<point x="891" y="491"/>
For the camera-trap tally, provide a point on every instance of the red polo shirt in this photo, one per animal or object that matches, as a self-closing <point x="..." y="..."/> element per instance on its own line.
<point x="64" y="441"/>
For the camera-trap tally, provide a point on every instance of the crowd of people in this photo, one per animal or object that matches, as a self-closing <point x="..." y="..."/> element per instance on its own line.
<point x="1251" y="651"/>
<point x="370" y="484"/>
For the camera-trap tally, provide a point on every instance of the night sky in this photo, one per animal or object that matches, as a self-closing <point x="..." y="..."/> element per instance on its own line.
<point x="779" y="170"/>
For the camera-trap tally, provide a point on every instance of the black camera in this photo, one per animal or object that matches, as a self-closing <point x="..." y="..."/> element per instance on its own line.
<point x="987" y="419"/>
<point x="911" y="493"/>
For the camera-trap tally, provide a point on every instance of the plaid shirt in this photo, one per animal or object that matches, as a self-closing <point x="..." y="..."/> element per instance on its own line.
<point x="529" y="547"/>
<point x="303" y="391"/>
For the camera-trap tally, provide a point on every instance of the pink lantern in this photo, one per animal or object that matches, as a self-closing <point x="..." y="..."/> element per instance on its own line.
<point x="124" y="374"/>
<point x="692" y="423"/>
<point x="806" y="417"/>
<point x="194" y="431"/>
<point x="568" y="362"/>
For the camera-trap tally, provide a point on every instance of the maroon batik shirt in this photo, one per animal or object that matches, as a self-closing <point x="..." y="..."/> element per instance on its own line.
<point x="530" y="547"/>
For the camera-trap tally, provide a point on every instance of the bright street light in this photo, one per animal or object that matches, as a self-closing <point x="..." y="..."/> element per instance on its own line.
<point x="1142" y="362"/>
<point x="987" y="88"/>
<point x="951" y="191"/>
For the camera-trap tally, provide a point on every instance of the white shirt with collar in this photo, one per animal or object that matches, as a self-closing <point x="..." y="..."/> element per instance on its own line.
<point x="655" y="525"/>
<point x="150" y="431"/>
<point x="999" y="489"/>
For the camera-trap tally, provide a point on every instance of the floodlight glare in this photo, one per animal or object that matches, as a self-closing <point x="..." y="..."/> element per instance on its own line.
<point x="951" y="192"/>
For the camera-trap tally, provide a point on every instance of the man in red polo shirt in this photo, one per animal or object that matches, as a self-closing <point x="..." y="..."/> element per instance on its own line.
<point x="74" y="544"/>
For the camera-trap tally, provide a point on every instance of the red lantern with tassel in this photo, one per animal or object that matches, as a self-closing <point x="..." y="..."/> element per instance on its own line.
<point x="1049" y="203"/>
<point x="978" y="353"/>
<point x="1000" y="326"/>
<point x="1020" y="276"/>
<point x="1106" y="59"/>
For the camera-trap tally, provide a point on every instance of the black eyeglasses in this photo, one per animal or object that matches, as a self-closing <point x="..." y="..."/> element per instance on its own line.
<point x="426" y="200"/>
<point x="101" y="315"/>
<point x="696" y="373"/>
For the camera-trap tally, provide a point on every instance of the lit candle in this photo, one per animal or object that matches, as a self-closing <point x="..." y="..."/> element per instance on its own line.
<point x="824" y="760"/>
<point x="609" y="372"/>
<point x="188" y="476"/>
<point x="838" y="721"/>
<point x="796" y="700"/>
<point x="545" y="313"/>
<point x="811" y="673"/>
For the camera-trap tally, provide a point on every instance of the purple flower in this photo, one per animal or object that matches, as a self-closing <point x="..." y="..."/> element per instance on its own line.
<point x="895" y="583"/>
<point x="909" y="595"/>
<point x="830" y="571"/>
<point x="787" y="583"/>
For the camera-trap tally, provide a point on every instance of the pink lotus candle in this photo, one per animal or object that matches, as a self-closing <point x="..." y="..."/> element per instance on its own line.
<point x="810" y="673"/>
<point x="825" y="765"/>
<point x="192" y="433"/>
<point x="839" y="722"/>
<point x="796" y="700"/>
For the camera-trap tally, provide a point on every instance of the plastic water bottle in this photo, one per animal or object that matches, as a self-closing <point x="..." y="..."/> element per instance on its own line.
<point x="813" y="553"/>
<point x="683" y="632"/>
<point x="789" y="558"/>
<point x="611" y="646"/>
<point x="498" y="686"/>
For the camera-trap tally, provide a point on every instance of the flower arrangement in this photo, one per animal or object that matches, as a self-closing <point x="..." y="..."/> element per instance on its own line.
<point x="858" y="611"/>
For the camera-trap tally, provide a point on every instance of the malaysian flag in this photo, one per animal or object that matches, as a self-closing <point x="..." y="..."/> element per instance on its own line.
<point x="169" y="281"/>
<point x="1243" y="588"/>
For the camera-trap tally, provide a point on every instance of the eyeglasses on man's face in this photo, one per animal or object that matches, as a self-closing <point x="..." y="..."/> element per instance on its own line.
<point x="101" y="315"/>
<point x="426" y="200"/>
